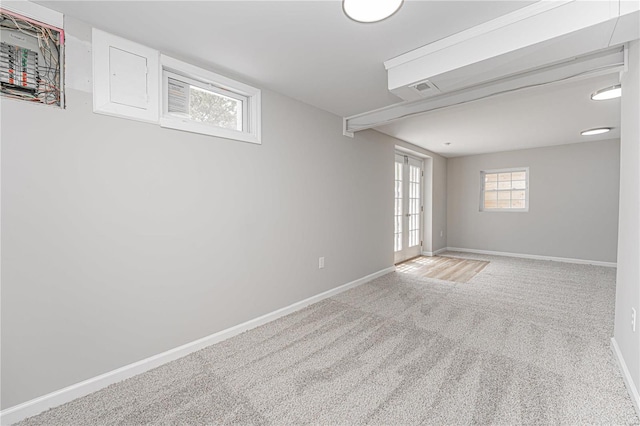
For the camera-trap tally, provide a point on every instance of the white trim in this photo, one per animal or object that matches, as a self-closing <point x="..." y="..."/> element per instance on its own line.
<point x="344" y="128"/>
<point x="35" y="406"/>
<point x="628" y="381"/>
<point x="434" y="253"/>
<point x="536" y="257"/>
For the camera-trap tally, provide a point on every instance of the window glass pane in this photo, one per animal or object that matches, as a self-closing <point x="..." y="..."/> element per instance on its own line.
<point x="519" y="184"/>
<point x="490" y="177"/>
<point x="491" y="195"/>
<point x="518" y="175"/>
<point x="504" y="185"/>
<point x="213" y="108"/>
<point x="504" y="195"/>
<point x="489" y="186"/>
<point x="518" y="204"/>
<point x="504" y="176"/>
<point x="490" y="204"/>
<point x="504" y="204"/>
<point x="518" y="195"/>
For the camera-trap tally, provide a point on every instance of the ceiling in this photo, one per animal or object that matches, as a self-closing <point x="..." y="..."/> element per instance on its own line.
<point x="528" y="118"/>
<point x="310" y="51"/>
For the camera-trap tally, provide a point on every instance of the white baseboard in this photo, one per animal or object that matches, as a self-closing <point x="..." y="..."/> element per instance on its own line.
<point x="536" y="257"/>
<point x="38" y="405"/>
<point x="628" y="381"/>
<point x="434" y="253"/>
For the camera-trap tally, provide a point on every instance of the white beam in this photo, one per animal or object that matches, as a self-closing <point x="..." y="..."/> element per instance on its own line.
<point x="530" y="26"/>
<point x="599" y="63"/>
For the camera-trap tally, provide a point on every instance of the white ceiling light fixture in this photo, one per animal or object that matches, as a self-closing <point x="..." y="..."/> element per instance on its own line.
<point x="596" y="131"/>
<point x="368" y="11"/>
<point x="607" y="93"/>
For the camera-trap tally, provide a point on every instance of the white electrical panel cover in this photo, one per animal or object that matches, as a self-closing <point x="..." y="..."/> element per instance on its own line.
<point x="125" y="78"/>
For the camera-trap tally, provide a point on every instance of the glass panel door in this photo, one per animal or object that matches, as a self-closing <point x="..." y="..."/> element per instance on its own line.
<point x="408" y="208"/>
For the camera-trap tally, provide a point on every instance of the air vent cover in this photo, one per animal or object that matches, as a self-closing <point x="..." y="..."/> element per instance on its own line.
<point x="425" y="88"/>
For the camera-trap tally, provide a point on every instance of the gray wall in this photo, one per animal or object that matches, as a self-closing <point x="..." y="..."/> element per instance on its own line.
<point x="440" y="202"/>
<point x="573" y="200"/>
<point x="628" y="278"/>
<point x="121" y="239"/>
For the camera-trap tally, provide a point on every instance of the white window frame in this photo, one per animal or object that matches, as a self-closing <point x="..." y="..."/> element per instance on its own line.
<point x="510" y="170"/>
<point x="207" y="80"/>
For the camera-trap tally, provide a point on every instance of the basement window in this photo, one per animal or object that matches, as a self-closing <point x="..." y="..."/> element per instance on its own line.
<point x="505" y="190"/>
<point x="200" y="101"/>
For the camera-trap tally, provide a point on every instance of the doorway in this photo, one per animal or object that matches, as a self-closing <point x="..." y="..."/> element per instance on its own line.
<point x="409" y="174"/>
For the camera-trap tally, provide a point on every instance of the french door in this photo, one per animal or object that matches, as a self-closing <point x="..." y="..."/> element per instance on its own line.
<point x="408" y="208"/>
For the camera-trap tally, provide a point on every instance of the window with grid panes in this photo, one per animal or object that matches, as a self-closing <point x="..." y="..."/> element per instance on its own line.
<point x="505" y="190"/>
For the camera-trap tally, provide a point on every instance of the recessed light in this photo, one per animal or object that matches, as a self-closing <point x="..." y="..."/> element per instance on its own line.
<point x="607" y="93"/>
<point x="368" y="11"/>
<point x="595" y="131"/>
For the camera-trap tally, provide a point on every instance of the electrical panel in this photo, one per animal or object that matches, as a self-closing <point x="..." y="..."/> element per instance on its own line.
<point x="18" y="67"/>
<point x="30" y="60"/>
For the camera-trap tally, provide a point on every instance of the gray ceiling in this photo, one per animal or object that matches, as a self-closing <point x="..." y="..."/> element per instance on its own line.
<point x="529" y="118"/>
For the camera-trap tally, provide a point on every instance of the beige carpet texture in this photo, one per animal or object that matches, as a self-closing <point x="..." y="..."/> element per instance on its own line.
<point x="523" y="342"/>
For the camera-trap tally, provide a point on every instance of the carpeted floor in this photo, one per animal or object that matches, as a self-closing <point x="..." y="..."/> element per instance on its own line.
<point x="525" y="342"/>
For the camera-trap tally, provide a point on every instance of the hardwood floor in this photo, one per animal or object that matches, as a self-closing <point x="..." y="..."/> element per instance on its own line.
<point x="442" y="268"/>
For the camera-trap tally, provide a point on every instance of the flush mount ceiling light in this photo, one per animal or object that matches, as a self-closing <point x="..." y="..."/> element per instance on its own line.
<point x="368" y="11"/>
<point x="595" y="131"/>
<point x="607" y="93"/>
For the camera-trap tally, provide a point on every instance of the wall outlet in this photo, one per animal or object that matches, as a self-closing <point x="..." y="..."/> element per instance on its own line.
<point x="633" y="319"/>
<point x="321" y="262"/>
